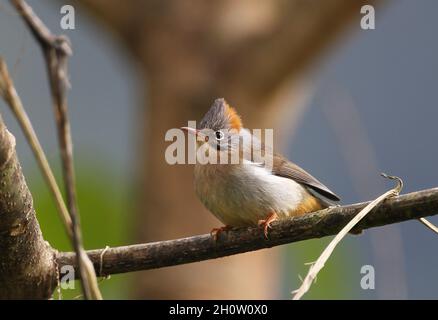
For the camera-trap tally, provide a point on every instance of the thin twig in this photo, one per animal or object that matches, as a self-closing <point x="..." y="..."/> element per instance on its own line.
<point x="56" y="50"/>
<point x="9" y="94"/>
<point x="429" y="224"/>
<point x="310" y="226"/>
<point x="320" y="262"/>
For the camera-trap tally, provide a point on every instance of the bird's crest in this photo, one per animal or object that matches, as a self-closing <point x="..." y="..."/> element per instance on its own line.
<point x="221" y="116"/>
<point x="233" y="117"/>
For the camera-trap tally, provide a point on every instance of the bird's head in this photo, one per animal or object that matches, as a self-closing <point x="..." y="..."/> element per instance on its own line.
<point x="218" y="127"/>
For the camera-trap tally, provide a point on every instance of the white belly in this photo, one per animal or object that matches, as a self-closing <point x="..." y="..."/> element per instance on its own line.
<point x="242" y="195"/>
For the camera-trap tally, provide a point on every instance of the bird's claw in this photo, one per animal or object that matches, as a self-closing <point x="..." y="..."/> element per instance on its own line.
<point x="266" y="223"/>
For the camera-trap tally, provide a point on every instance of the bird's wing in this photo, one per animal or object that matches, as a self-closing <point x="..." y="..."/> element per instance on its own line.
<point x="284" y="168"/>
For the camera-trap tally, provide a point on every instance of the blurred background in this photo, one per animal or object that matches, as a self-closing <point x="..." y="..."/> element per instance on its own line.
<point x="345" y="104"/>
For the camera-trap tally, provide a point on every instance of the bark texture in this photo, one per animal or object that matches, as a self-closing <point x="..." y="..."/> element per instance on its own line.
<point x="27" y="264"/>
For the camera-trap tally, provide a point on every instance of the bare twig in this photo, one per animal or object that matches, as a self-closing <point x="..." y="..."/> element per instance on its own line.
<point x="9" y="94"/>
<point x="360" y="156"/>
<point x="313" y="225"/>
<point x="56" y="50"/>
<point x="320" y="262"/>
<point x="429" y="224"/>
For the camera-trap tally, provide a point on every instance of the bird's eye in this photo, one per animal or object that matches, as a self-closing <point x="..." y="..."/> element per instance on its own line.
<point x="219" y="135"/>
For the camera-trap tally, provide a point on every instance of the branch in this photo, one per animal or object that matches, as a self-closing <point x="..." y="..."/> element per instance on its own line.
<point x="313" y="225"/>
<point x="56" y="50"/>
<point x="428" y="224"/>
<point x="12" y="99"/>
<point x="27" y="264"/>
<point x="325" y="255"/>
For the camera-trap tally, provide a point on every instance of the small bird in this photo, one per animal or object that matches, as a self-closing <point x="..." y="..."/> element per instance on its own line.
<point x="250" y="193"/>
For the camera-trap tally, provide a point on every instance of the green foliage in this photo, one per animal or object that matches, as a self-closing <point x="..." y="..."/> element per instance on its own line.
<point x="105" y="215"/>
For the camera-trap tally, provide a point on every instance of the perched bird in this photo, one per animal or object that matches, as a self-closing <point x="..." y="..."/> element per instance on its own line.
<point x="249" y="193"/>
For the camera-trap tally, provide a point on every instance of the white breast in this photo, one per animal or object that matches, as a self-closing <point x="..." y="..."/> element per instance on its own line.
<point x="242" y="195"/>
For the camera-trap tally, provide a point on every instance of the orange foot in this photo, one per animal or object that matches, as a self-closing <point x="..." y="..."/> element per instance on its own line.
<point x="215" y="231"/>
<point x="266" y="223"/>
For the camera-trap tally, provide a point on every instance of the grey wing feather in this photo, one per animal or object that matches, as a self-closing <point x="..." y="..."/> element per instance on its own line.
<point x="284" y="168"/>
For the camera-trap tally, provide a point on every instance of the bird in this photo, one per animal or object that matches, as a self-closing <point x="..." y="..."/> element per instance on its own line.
<point x="248" y="192"/>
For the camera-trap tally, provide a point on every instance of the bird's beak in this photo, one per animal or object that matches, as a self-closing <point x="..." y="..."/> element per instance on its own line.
<point x="193" y="131"/>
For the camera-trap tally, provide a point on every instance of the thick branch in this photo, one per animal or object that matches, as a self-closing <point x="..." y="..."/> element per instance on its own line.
<point x="27" y="267"/>
<point x="314" y="225"/>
